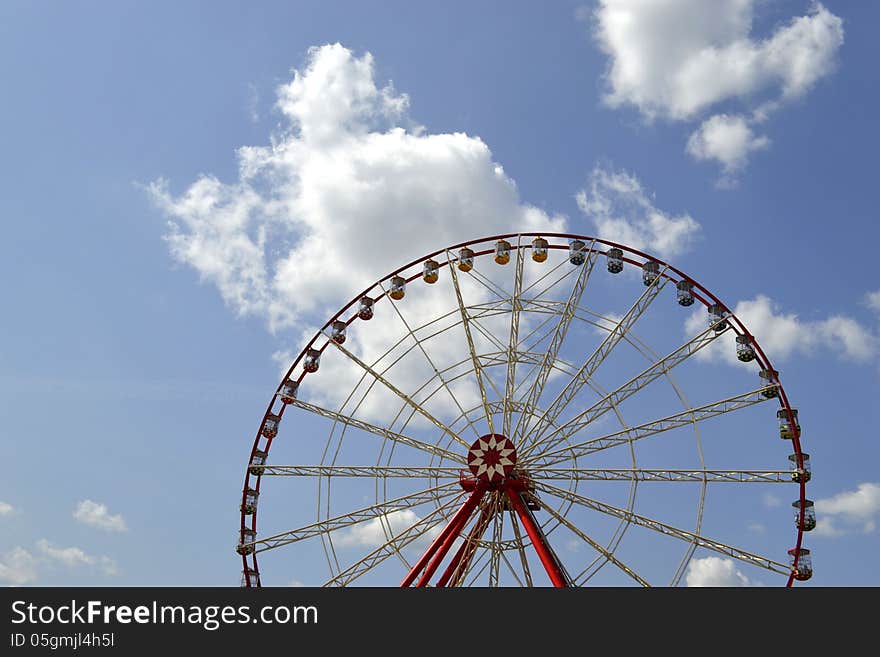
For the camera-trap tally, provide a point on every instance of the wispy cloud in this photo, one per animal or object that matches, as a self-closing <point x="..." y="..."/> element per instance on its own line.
<point x="97" y="515"/>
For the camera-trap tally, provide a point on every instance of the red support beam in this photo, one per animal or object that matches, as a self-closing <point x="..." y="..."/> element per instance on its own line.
<point x="451" y="530"/>
<point x="548" y="559"/>
<point x="466" y="551"/>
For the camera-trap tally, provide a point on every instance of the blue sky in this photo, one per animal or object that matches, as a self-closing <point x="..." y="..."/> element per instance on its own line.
<point x="145" y="334"/>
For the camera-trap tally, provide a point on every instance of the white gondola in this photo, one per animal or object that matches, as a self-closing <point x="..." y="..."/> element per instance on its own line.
<point x="365" y="309"/>
<point x="312" y="361"/>
<point x="786" y="430"/>
<point x="577" y="254"/>
<point x="769" y="388"/>
<point x="539" y="249"/>
<point x="502" y="252"/>
<point x="250" y="577"/>
<point x="430" y="271"/>
<point x="270" y="425"/>
<point x="249" y="504"/>
<point x="804" y="566"/>
<point x="257" y="461"/>
<point x="246" y="540"/>
<point x="288" y="390"/>
<point x="684" y="293"/>
<point x="398" y="288"/>
<point x="650" y="272"/>
<point x="717" y="317"/>
<point x="809" y="522"/>
<point x="744" y="349"/>
<point x="465" y="259"/>
<point x="800" y="475"/>
<point x="337" y="331"/>
<point x="615" y="260"/>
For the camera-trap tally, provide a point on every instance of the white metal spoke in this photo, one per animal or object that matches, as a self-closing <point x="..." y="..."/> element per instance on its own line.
<point x="513" y="341"/>
<point x="348" y="519"/>
<point x="663" y="528"/>
<point x="617" y="396"/>
<point x="652" y="428"/>
<point x="552" y="350"/>
<point x="478" y="370"/>
<point x="586" y="371"/>
<point x="372" y="471"/>
<point x="495" y="556"/>
<point x="380" y="431"/>
<point x="596" y="546"/>
<point x="520" y="546"/>
<point x="416" y="407"/>
<point x="392" y="546"/>
<point x="645" y="474"/>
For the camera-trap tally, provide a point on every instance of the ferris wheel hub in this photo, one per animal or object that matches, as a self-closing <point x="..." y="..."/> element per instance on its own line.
<point x="492" y="458"/>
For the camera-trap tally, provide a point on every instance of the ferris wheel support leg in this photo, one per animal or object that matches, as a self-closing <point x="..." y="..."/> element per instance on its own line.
<point x="440" y="546"/>
<point x="459" y="564"/>
<point x="545" y="553"/>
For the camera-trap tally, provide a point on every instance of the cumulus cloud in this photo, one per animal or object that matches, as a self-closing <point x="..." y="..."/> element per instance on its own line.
<point x="715" y="571"/>
<point x="18" y="567"/>
<point x="350" y="188"/>
<point x="849" y="511"/>
<point x="623" y="211"/>
<point x="677" y="59"/>
<point x="6" y="509"/>
<point x="376" y="532"/>
<point x="782" y="334"/>
<point x="726" y="139"/>
<point x="97" y="515"/>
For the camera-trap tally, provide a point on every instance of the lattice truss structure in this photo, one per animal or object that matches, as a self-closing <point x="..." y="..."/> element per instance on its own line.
<point x="512" y="411"/>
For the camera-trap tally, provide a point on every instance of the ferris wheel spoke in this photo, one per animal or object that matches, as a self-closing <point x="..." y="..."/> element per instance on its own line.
<point x="586" y="371"/>
<point x="665" y="529"/>
<point x="407" y="400"/>
<point x="596" y="546"/>
<point x="394" y="545"/>
<point x="381" y="472"/>
<point x="652" y="428"/>
<point x="495" y="556"/>
<point x="552" y="350"/>
<point x="513" y="339"/>
<point x="379" y="431"/>
<point x="478" y="370"/>
<point x="437" y="372"/>
<point x="644" y="474"/>
<point x="608" y="402"/>
<point x="521" y="549"/>
<point x="353" y="518"/>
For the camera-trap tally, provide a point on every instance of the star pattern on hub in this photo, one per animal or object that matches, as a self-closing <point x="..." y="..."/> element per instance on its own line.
<point x="492" y="458"/>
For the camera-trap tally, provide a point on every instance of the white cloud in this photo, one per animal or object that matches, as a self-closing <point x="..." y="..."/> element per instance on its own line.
<point x="18" y="567"/>
<point x="676" y="59"/>
<point x="726" y="138"/>
<point x="6" y="509"/>
<point x="781" y="335"/>
<point x="623" y="212"/>
<point x="757" y="528"/>
<point x="771" y="500"/>
<point x="376" y="532"/>
<point x="350" y="189"/>
<point x="70" y="556"/>
<point x="715" y="571"/>
<point x="873" y="300"/>
<point x="856" y="510"/>
<point x="96" y="515"/>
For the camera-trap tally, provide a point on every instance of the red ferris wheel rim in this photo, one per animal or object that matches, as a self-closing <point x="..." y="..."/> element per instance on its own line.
<point x="699" y="291"/>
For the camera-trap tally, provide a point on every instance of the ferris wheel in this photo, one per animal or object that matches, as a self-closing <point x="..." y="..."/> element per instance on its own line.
<point x="512" y="411"/>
